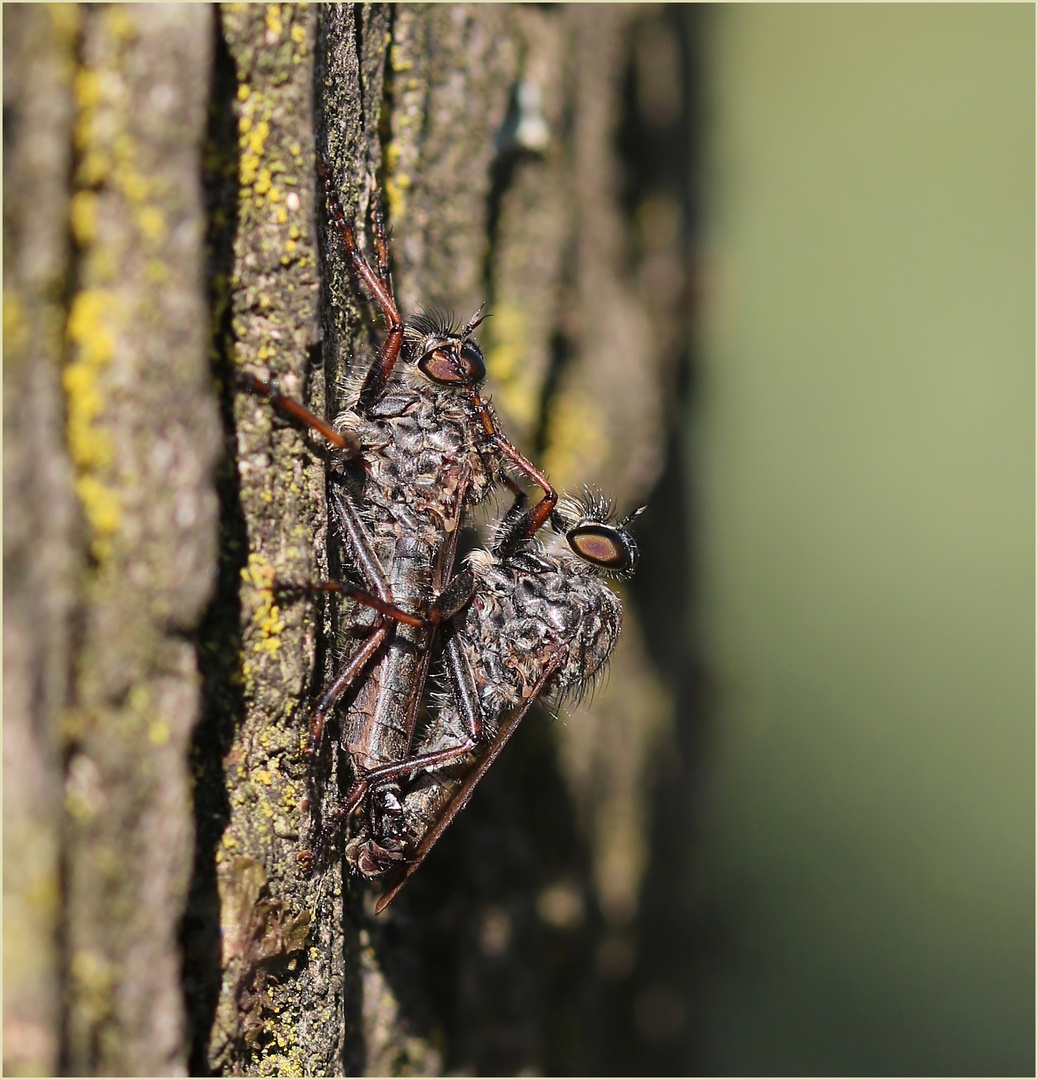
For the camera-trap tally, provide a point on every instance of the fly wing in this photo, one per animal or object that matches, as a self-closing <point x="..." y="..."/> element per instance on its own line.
<point x="442" y="574"/>
<point x="464" y="793"/>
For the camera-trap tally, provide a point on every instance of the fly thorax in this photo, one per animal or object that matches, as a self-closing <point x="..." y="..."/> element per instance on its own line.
<point x="485" y="642"/>
<point x="429" y="455"/>
<point x="506" y="642"/>
<point x="567" y="612"/>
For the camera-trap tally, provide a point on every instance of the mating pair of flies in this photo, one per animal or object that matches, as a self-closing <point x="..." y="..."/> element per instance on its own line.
<point x="414" y="450"/>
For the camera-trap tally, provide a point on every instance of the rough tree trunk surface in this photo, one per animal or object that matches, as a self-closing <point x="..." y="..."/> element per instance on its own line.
<point x="105" y="691"/>
<point x="152" y="250"/>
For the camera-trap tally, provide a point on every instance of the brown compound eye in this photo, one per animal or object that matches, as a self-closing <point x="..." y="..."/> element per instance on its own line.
<point x="605" y="547"/>
<point x="454" y="364"/>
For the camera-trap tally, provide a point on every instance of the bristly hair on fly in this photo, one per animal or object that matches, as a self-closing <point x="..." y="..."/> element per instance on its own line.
<point x="432" y="322"/>
<point x="591" y="505"/>
<point x="578" y="694"/>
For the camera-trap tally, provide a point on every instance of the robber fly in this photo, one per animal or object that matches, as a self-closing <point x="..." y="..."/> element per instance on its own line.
<point x="415" y="447"/>
<point x="540" y="620"/>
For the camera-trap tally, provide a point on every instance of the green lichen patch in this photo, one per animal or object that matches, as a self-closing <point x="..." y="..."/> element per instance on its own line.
<point x="577" y="445"/>
<point x="266" y="616"/>
<point x="91" y="334"/>
<point x="518" y="396"/>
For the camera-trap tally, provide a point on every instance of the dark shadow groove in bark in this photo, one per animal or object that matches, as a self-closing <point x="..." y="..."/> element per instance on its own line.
<point x="673" y="938"/>
<point x="383" y="130"/>
<point x="560" y="354"/>
<point x="508" y="161"/>
<point x="76" y="632"/>
<point x="218" y="639"/>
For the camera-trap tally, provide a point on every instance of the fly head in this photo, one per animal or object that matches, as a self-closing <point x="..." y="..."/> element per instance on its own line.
<point x="596" y="534"/>
<point x="445" y="352"/>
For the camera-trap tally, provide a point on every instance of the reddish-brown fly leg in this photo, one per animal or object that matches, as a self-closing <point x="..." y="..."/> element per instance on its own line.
<point x="466" y="698"/>
<point x="464" y="793"/>
<point x="345" y="441"/>
<point x="378" y="283"/>
<point x="378" y="239"/>
<point x="319" y="717"/>
<point x="448" y="604"/>
<point x="537" y="515"/>
<point x="377" y="595"/>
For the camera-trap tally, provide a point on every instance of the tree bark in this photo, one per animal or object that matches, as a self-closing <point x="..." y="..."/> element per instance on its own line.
<point x="102" y="610"/>
<point x="141" y="552"/>
<point x="40" y="563"/>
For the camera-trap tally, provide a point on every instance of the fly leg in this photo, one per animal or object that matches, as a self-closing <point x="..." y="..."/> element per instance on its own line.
<point x="378" y="282"/>
<point x="518" y="525"/>
<point x="515" y="528"/>
<point x="345" y="441"/>
<point x="461" y="797"/>
<point x="373" y="786"/>
<point x="540" y="513"/>
<point x="451" y="600"/>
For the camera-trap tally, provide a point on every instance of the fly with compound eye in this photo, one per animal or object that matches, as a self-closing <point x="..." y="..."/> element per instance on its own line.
<point x="415" y="448"/>
<point x="539" y="621"/>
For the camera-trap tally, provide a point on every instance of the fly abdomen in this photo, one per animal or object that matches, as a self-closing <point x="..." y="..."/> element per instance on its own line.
<point x="378" y="729"/>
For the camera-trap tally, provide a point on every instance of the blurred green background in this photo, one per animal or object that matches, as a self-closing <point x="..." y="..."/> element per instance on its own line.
<point x="862" y="457"/>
